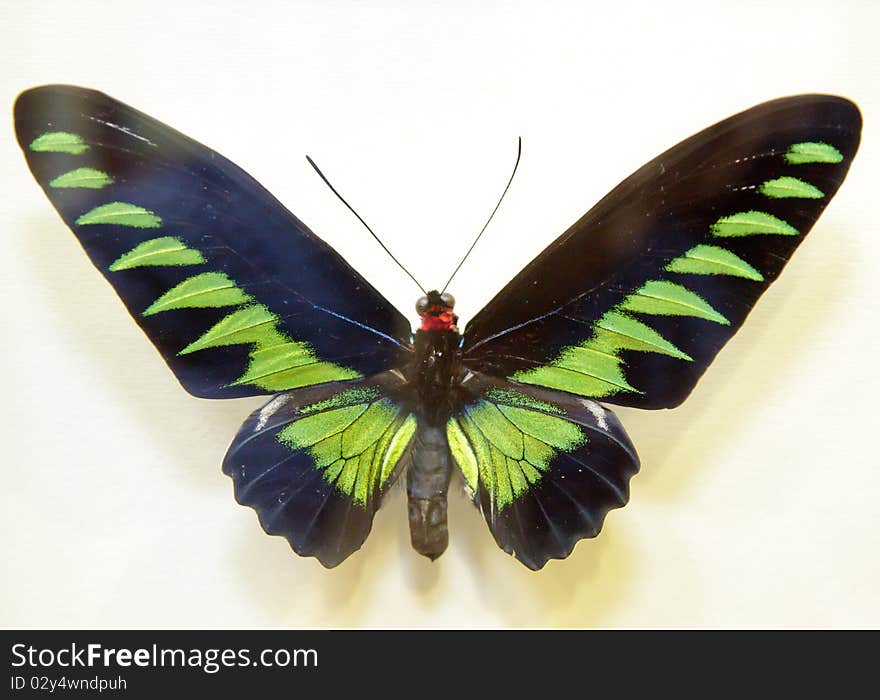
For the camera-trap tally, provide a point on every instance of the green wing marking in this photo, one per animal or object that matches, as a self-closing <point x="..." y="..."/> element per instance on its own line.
<point x="812" y="152"/>
<point x="277" y="365"/>
<point x="507" y="441"/>
<point x="616" y="331"/>
<point x="349" y="397"/>
<point x="85" y="178"/>
<point x="120" y="214"/>
<point x="250" y="325"/>
<point x="463" y="453"/>
<point x="59" y="142"/>
<point x="790" y="187"/>
<point x="511" y="397"/>
<point x="164" y="251"/>
<point x="580" y="369"/>
<point x="356" y="438"/>
<point x="714" y="260"/>
<point x="277" y="362"/>
<point x="664" y="298"/>
<point x="594" y="367"/>
<point x="750" y="223"/>
<point x="207" y="290"/>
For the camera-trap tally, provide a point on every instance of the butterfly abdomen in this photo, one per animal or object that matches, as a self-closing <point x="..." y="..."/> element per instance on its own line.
<point x="427" y="482"/>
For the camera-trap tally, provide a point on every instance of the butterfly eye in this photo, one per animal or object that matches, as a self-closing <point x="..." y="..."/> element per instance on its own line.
<point x="422" y="306"/>
<point x="447" y="299"/>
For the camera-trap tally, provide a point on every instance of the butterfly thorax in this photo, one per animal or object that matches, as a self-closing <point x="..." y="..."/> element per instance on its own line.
<point x="435" y="367"/>
<point x="436" y="361"/>
<point x="442" y="320"/>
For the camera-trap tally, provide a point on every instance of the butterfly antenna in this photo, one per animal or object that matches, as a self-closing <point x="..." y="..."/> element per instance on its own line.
<point x="372" y="233"/>
<point x="485" y="226"/>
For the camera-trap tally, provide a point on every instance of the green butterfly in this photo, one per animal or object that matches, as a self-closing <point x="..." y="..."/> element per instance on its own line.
<point x="629" y="306"/>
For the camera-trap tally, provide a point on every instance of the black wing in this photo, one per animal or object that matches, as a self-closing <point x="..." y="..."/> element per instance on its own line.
<point x="633" y="302"/>
<point x="238" y="295"/>
<point x="544" y="467"/>
<point x="315" y="463"/>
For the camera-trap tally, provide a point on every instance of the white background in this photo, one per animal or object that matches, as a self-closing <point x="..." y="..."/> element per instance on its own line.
<point x="757" y="504"/>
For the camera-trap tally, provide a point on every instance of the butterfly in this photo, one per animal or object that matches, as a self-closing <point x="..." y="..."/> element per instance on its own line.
<point x="629" y="307"/>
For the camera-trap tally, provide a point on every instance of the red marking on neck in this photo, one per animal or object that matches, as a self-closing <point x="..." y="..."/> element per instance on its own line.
<point x="439" y="318"/>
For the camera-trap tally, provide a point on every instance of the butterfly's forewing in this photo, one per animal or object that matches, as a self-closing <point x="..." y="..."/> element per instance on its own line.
<point x="632" y="303"/>
<point x="236" y="293"/>
<point x="315" y="463"/>
<point x="544" y="467"/>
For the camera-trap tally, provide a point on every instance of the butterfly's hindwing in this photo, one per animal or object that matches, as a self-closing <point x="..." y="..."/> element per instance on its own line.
<point x="315" y="463"/>
<point x="236" y="293"/>
<point x="545" y="468"/>
<point x="634" y="301"/>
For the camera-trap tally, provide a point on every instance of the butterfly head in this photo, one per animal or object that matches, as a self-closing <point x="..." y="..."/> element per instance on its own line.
<point x="435" y="310"/>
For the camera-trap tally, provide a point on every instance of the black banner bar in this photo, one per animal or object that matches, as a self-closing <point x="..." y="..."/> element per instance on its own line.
<point x="137" y="664"/>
